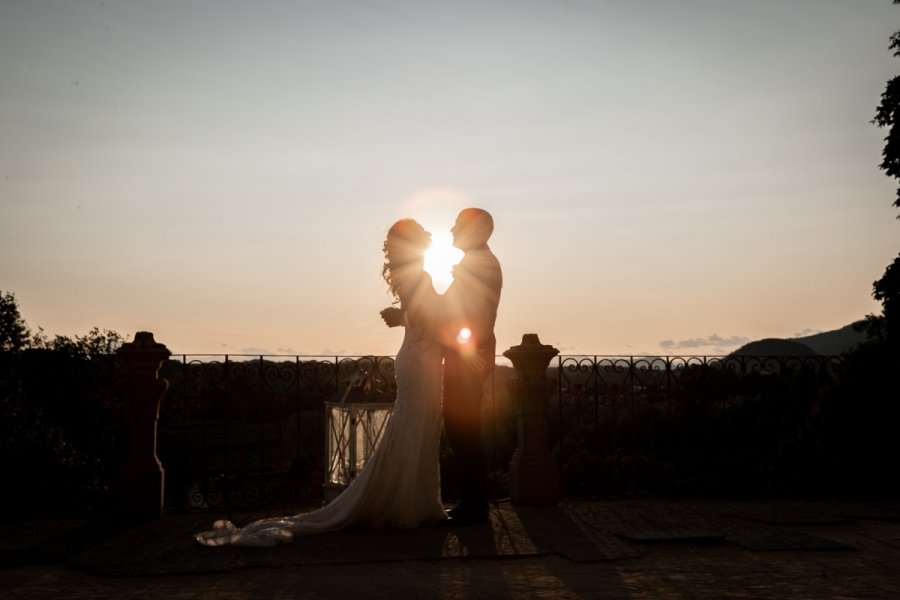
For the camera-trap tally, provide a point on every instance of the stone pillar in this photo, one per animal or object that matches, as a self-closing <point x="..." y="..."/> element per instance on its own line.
<point x="140" y="482"/>
<point x="533" y="476"/>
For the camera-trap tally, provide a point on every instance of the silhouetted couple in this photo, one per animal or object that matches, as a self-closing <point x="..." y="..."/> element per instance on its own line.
<point x="446" y="356"/>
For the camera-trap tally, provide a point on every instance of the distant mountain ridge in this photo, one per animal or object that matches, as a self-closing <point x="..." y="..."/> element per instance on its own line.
<point x="828" y="343"/>
<point x="832" y="343"/>
<point x="774" y="347"/>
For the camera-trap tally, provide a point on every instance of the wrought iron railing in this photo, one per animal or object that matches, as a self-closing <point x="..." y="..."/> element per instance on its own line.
<point x="243" y="430"/>
<point x="238" y="430"/>
<point x="628" y="425"/>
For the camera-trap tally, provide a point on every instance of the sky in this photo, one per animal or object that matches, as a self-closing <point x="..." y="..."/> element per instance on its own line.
<point x="665" y="177"/>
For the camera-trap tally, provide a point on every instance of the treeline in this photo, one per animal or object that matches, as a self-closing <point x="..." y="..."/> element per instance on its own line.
<point x="60" y="421"/>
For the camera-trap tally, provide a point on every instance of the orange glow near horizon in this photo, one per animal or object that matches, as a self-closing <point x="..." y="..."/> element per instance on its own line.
<point x="266" y="236"/>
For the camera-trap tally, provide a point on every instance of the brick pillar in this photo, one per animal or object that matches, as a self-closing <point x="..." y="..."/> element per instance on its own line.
<point x="140" y="472"/>
<point x="533" y="476"/>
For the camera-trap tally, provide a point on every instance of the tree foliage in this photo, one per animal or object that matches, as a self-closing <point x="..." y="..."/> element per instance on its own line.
<point x="14" y="333"/>
<point x="16" y="336"/>
<point x="887" y="289"/>
<point x="60" y="420"/>
<point x="888" y="115"/>
<point x="97" y="341"/>
<point x="858" y="417"/>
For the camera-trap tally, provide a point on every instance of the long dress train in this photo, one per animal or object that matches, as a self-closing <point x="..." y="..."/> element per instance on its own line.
<point x="400" y="484"/>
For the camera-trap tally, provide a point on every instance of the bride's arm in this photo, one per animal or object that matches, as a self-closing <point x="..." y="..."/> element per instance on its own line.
<point x="422" y="305"/>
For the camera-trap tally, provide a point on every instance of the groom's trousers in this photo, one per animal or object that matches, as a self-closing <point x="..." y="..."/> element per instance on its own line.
<point x="463" y="393"/>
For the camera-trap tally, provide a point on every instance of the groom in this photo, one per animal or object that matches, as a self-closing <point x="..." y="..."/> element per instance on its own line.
<point x="467" y="333"/>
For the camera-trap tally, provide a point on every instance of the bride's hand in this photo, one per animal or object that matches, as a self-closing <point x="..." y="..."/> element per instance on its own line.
<point x="393" y="316"/>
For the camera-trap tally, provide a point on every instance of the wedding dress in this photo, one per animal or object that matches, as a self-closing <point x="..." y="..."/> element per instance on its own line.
<point x="400" y="484"/>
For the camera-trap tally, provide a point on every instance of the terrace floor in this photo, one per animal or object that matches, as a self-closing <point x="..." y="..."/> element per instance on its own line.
<point x="579" y="549"/>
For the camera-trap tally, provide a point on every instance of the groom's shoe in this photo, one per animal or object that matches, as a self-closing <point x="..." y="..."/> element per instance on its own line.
<point x="463" y="515"/>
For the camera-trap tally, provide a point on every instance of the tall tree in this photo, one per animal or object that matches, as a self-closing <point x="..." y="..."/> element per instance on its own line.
<point x="887" y="289"/>
<point x="14" y="333"/>
<point x="888" y="115"/>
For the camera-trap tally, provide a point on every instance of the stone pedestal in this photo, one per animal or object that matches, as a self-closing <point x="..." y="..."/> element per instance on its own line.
<point x="533" y="475"/>
<point x="140" y="481"/>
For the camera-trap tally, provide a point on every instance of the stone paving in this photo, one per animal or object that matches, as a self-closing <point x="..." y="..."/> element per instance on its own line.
<point x="652" y="549"/>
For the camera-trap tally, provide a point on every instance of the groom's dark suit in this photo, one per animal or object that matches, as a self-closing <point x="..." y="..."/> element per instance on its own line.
<point x="470" y="302"/>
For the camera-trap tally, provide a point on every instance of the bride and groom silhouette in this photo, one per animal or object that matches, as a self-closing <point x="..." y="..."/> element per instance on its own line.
<point x="441" y="367"/>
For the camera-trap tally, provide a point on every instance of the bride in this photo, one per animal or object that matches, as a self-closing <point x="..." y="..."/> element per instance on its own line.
<point x="400" y="484"/>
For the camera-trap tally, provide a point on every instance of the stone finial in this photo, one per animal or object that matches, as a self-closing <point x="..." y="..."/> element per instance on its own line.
<point x="141" y="475"/>
<point x="531" y="358"/>
<point x="533" y="476"/>
<point x="144" y="342"/>
<point x="144" y="355"/>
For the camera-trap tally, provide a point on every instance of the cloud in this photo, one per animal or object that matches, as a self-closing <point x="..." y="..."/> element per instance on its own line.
<point x="256" y="351"/>
<point x="565" y="348"/>
<point x="717" y="343"/>
<point x="806" y="333"/>
<point x="267" y="352"/>
<point x="330" y="352"/>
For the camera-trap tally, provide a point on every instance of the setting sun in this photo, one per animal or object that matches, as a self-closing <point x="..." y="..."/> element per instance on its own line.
<point x="440" y="259"/>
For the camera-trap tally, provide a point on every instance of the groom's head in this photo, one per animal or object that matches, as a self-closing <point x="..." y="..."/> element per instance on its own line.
<point x="473" y="228"/>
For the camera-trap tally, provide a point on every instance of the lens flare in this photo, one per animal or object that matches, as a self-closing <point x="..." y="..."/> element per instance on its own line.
<point x="440" y="259"/>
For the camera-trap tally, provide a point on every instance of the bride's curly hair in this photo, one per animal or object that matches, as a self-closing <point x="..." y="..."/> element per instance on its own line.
<point x="404" y="252"/>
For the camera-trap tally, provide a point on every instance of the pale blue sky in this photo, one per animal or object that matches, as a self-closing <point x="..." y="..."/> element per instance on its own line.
<point x="223" y="173"/>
